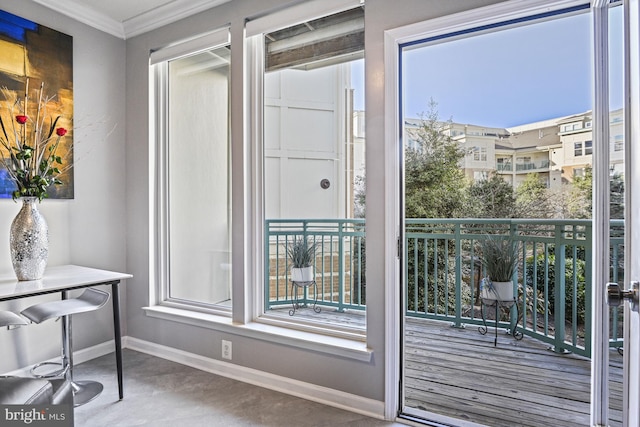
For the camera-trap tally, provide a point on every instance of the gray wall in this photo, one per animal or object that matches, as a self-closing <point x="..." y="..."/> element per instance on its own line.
<point x="363" y="379"/>
<point x="107" y="225"/>
<point x="90" y="229"/>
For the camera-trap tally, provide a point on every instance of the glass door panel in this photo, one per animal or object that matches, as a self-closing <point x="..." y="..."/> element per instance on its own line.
<point x="498" y="152"/>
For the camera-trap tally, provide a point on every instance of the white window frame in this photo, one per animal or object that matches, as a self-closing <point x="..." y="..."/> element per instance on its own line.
<point x="255" y="30"/>
<point x="588" y="147"/>
<point x="246" y="303"/>
<point x="159" y="224"/>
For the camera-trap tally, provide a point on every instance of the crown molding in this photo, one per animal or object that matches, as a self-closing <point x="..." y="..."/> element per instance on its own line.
<point x="167" y="14"/>
<point x="86" y="15"/>
<point x="134" y="26"/>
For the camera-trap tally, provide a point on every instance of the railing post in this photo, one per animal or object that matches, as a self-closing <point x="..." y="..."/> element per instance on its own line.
<point x="588" y="256"/>
<point x="340" y="267"/>
<point x="559" y="291"/>
<point x="513" y="229"/>
<point x="457" y="237"/>
<point x="267" y="266"/>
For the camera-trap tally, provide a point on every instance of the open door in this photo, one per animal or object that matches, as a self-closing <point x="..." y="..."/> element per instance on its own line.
<point x="602" y="395"/>
<point x="438" y="264"/>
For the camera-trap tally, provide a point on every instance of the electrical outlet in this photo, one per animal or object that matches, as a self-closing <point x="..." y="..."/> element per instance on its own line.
<point x="226" y="349"/>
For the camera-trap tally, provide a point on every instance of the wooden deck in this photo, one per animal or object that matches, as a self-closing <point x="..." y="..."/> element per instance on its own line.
<point x="459" y="373"/>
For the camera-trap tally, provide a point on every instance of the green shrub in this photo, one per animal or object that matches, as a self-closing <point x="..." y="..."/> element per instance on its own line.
<point x="539" y="267"/>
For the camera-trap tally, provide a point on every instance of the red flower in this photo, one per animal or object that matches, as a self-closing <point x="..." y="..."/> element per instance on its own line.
<point x="22" y="119"/>
<point x="61" y="131"/>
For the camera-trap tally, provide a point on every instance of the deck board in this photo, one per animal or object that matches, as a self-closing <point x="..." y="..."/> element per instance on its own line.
<point x="457" y="372"/>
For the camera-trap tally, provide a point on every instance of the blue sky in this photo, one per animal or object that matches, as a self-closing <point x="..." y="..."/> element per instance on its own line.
<point x="510" y="77"/>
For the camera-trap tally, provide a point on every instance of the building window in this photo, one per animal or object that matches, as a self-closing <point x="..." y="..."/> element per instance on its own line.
<point x="577" y="149"/>
<point x="193" y="255"/>
<point x="618" y="143"/>
<point x="588" y="148"/>
<point x="571" y="127"/>
<point x="480" y="154"/>
<point x="480" y="175"/>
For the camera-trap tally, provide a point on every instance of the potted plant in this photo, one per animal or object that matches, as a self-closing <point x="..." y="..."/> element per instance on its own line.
<point x="302" y="255"/>
<point x="499" y="259"/>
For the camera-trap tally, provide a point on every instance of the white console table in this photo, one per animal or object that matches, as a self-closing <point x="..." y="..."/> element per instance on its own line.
<point x="65" y="278"/>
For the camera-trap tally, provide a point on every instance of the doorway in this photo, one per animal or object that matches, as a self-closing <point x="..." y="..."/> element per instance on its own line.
<point x="481" y="161"/>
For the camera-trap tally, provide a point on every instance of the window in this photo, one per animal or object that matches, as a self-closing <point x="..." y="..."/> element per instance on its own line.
<point x="480" y="175"/>
<point x="588" y="148"/>
<point x="193" y="184"/>
<point x="480" y="154"/>
<point x="577" y="149"/>
<point x="571" y="127"/>
<point x="312" y="143"/>
<point x="618" y="143"/>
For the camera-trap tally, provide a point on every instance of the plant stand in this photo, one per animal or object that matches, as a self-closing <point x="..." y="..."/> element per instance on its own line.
<point x="499" y="306"/>
<point x="294" y="292"/>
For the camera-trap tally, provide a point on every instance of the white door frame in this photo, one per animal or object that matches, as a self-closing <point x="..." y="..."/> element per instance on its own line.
<point x="631" y="409"/>
<point x="509" y="10"/>
<point x="601" y="201"/>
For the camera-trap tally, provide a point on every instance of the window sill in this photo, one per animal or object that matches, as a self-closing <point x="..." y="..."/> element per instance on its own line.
<point x="337" y="346"/>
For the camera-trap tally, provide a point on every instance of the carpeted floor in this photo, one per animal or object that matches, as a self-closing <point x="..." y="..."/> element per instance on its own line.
<point x="162" y="393"/>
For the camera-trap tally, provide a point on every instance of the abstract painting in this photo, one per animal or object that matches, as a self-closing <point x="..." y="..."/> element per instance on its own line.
<point x="42" y="55"/>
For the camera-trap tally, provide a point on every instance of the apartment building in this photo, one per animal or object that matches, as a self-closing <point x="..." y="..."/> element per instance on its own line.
<point x="556" y="149"/>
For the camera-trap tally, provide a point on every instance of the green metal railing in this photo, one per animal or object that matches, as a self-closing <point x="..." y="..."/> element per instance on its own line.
<point x="339" y="262"/>
<point x="442" y="271"/>
<point x="553" y="278"/>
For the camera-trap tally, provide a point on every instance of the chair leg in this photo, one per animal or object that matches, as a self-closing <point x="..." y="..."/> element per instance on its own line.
<point x="83" y="391"/>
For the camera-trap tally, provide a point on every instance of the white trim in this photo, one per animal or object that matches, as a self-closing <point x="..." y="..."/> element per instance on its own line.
<point x="600" y="234"/>
<point x="631" y="388"/>
<point x="474" y="18"/>
<point x="466" y="20"/>
<point x="297" y="14"/>
<point x="326" y="396"/>
<point x="353" y="348"/>
<point x="79" y="356"/>
<point x="392" y="229"/>
<point x="86" y="15"/>
<point x="166" y="14"/>
<point x="211" y="40"/>
<point x="147" y="21"/>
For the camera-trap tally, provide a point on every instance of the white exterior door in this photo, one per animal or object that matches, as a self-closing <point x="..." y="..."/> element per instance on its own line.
<point x="600" y="396"/>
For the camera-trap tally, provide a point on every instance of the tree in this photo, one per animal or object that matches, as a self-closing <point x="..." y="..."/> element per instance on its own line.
<point x="434" y="183"/>
<point x="617" y="196"/>
<point x="532" y="198"/>
<point x="491" y="198"/>
<point x="581" y="195"/>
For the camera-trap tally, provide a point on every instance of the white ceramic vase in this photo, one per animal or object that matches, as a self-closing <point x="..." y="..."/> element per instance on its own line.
<point x="304" y="274"/>
<point x="497" y="291"/>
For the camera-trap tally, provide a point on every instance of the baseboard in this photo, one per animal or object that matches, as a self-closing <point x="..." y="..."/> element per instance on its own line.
<point x="79" y="356"/>
<point x="327" y="396"/>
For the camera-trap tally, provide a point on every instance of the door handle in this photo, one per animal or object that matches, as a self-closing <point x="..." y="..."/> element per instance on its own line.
<point x="615" y="295"/>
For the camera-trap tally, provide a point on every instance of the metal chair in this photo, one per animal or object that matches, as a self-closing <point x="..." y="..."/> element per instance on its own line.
<point x="90" y="300"/>
<point x="11" y="320"/>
